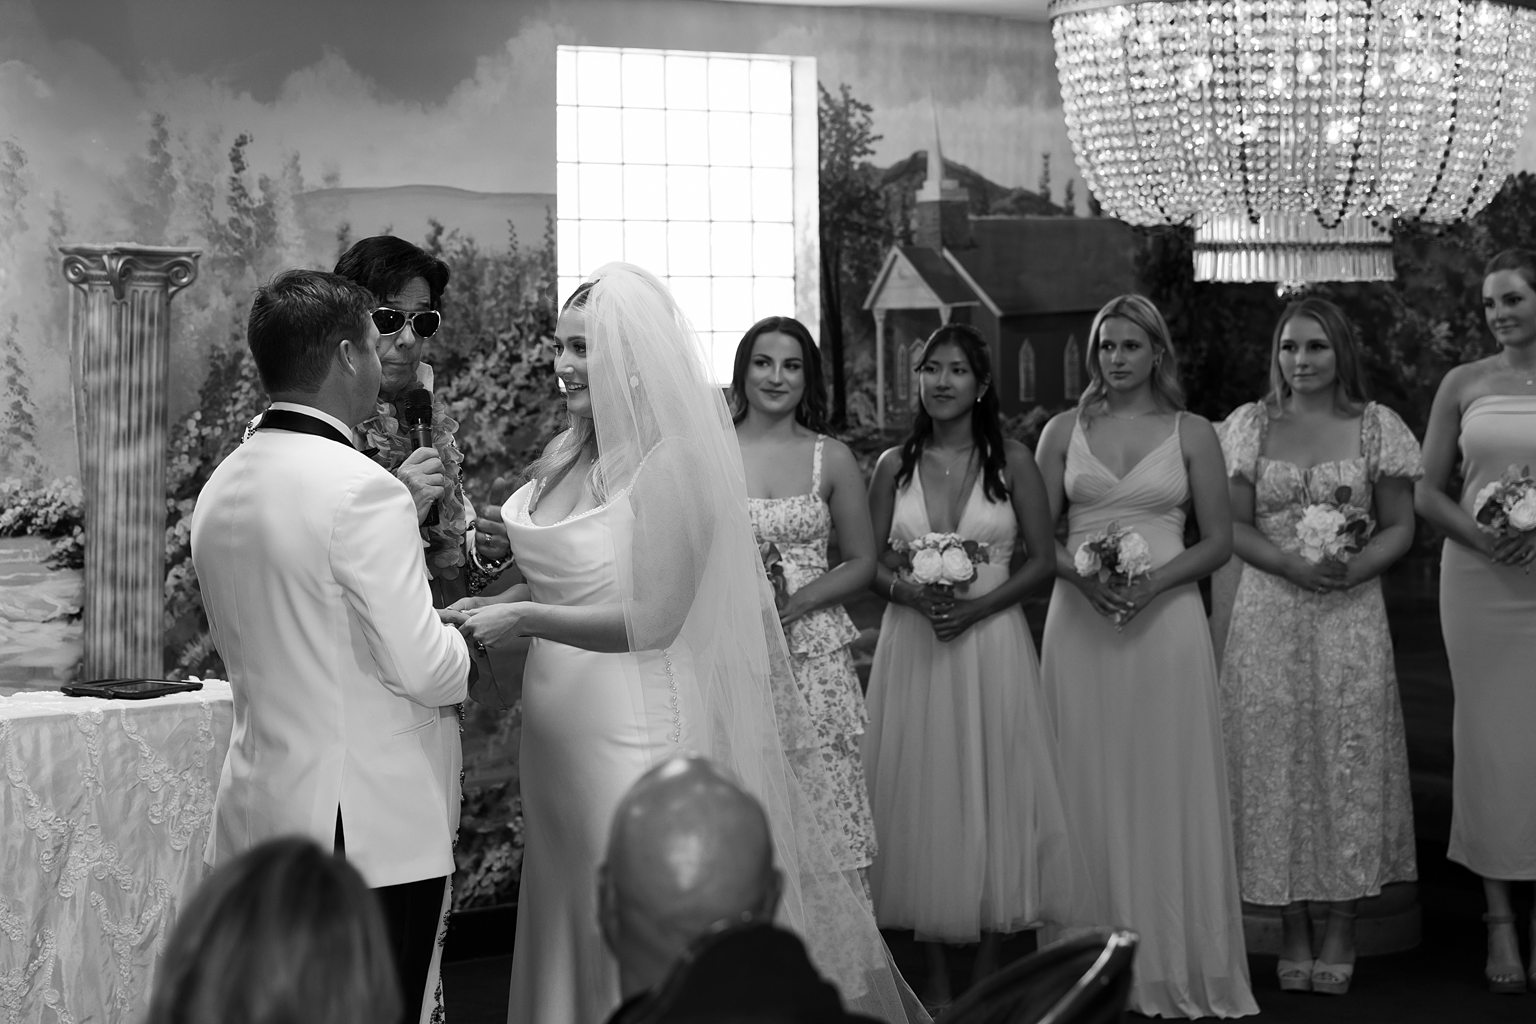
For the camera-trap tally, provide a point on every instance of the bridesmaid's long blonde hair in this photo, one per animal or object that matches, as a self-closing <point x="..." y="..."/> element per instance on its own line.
<point x="1139" y="310"/>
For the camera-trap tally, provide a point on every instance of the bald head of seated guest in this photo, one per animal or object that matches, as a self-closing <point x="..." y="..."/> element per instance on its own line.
<point x="690" y="852"/>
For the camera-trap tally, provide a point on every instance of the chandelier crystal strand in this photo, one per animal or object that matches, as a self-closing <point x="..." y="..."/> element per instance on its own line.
<point x="1290" y="133"/>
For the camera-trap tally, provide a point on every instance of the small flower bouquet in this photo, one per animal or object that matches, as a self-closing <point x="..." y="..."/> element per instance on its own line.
<point x="940" y="559"/>
<point x="1115" y="555"/>
<point x="1333" y="530"/>
<point x="1507" y="506"/>
<point x="773" y="565"/>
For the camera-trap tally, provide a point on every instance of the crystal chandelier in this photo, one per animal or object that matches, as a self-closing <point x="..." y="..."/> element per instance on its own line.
<point x="1290" y="133"/>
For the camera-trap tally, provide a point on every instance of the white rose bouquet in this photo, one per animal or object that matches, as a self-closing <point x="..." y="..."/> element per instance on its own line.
<point x="1507" y="506"/>
<point x="1333" y="530"/>
<point x="1115" y="555"/>
<point x="940" y="559"/>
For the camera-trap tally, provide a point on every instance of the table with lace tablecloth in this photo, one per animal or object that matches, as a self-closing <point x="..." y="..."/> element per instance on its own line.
<point x="104" y="812"/>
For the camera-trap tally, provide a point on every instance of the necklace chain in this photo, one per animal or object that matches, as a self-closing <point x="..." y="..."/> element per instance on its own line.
<point x="1528" y="374"/>
<point x="951" y="463"/>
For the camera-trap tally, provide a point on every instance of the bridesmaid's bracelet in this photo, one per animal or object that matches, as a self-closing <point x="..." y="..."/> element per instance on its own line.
<point x="891" y="590"/>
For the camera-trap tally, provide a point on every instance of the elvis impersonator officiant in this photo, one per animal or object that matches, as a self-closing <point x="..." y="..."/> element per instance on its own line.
<point x="315" y="583"/>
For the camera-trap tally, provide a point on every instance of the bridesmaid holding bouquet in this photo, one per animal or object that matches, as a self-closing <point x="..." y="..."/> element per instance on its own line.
<point x="1485" y="411"/>
<point x="962" y="768"/>
<point x="802" y="486"/>
<point x="1129" y="671"/>
<point x="1322" y="505"/>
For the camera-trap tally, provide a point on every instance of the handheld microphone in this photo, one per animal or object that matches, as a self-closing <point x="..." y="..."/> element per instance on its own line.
<point x="416" y="418"/>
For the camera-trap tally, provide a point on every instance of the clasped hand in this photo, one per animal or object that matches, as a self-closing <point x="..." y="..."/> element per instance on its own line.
<point x="1321" y="577"/>
<point x="949" y="616"/>
<point x="489" y="623"/>
<point x="1120" y="603"/>
<point x="1516" y="550"/>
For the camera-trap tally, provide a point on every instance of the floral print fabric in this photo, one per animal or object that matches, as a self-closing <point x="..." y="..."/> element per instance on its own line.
<point x="389" y="446"/>
<point x="1317" y="762"/>
<point x="800" y="527"/>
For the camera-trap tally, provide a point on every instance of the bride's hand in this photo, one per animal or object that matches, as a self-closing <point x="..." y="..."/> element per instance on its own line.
<point x="464" y="606"/>
<point x="496" y="625"/>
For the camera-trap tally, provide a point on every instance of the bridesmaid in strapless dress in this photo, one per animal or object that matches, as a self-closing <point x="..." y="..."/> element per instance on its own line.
<point x="779" y="405"/>
<point x="1486" y="410"/>
<point x="1130" y="675"/>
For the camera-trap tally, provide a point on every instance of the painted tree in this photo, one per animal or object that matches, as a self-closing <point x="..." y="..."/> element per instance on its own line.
<point x="17" y="424"/>
<point x="492" y="358"/>
<point x="147" y="189"/>
<point x="852" y="228"/>
<point x="17" y="421"/>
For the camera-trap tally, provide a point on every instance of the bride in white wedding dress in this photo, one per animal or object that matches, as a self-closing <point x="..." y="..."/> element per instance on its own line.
<point x="653" y="630"/>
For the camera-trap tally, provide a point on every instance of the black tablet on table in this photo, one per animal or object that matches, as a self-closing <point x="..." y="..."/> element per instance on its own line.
<point x="129" y="689"/>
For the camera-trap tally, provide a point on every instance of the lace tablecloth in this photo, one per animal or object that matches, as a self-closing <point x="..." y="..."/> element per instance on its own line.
<point x="104" y="812"/>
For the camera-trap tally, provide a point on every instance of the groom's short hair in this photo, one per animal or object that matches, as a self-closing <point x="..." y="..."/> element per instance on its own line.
<point x="297" y="320"/>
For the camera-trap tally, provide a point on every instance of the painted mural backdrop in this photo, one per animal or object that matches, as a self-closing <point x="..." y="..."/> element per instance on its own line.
<point x="270" y="135"/>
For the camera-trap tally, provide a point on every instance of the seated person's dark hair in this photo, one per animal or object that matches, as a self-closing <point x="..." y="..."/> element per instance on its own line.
<point x="296" y="322"/>
<point x="286" y="933"/>
<point x="383" y="264"/>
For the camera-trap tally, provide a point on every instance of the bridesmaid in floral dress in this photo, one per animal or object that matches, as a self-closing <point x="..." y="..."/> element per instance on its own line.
<point x="1316" y="758"/>
<point x="801" y="485"/>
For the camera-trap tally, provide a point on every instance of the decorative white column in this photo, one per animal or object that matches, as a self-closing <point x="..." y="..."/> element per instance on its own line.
<point x="119" y="370"/>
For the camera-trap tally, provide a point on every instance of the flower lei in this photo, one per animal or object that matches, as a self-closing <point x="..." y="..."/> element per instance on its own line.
<point x="389" y="446"/>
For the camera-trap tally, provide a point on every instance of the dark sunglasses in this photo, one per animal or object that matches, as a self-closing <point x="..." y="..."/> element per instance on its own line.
<point x="392" y="321"/>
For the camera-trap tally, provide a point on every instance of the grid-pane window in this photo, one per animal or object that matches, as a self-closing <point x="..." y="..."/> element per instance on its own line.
<point x="686" y="163"/>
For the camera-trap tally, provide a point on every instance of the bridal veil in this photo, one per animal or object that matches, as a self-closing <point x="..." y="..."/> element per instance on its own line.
<point x="693" y="583"/>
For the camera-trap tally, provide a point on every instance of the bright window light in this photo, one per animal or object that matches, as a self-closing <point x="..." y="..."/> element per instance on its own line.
<point x="700" y="167"/>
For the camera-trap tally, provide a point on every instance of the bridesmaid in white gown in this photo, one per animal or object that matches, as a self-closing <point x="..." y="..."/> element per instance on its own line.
<point x="1130" y="675"/>
<point x="961" y="764"/>
<point x="653" y="630"/>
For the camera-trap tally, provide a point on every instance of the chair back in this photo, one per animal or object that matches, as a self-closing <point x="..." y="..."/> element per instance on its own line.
<point x="1082" y="980"/>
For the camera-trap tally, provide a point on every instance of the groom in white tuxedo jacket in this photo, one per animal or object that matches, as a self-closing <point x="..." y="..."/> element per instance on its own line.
<point x="312" y="574"/>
